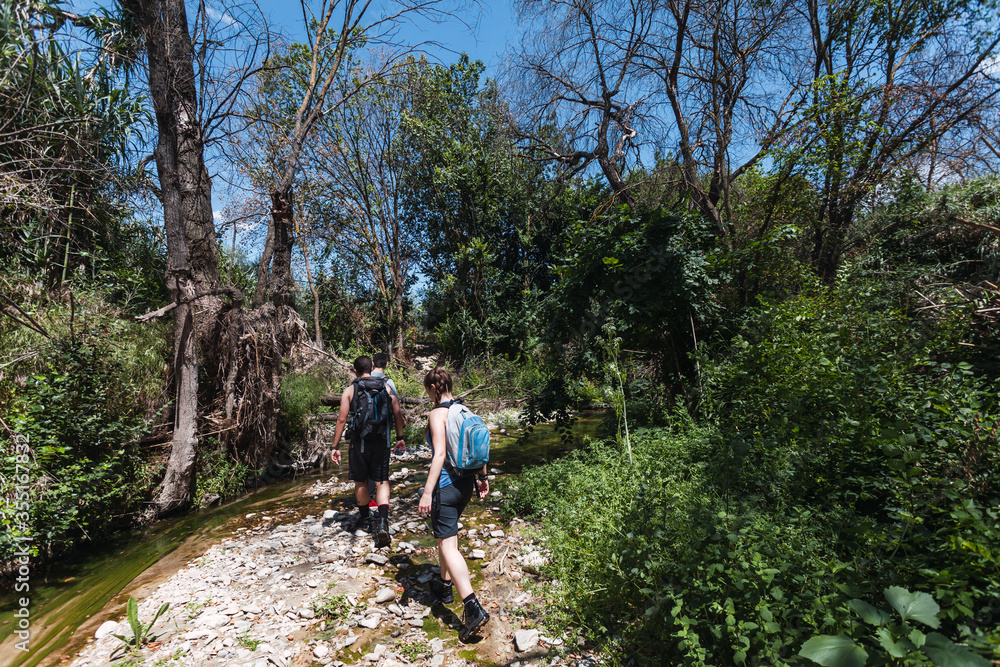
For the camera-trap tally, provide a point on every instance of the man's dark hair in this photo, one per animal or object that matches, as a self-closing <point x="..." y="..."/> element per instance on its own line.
<point x="362" y="365"/>
<point x="380" y="360"/>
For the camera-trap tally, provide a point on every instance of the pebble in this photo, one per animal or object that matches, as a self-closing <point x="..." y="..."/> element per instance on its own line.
<point x="371" y="622"/>
<point x="385" y="595"/>
<point x="261" y="585"/>
<point x="525" y="640"/>
<point x="107" y="628"/>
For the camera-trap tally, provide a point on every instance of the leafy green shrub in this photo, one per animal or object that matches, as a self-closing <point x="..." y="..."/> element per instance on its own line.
<point x="650" y="552"/>
<point x="81" y="420"/>
<point x="300" y="396"/>
<point x="218" y="473"/>
<point x="893" y="640"/>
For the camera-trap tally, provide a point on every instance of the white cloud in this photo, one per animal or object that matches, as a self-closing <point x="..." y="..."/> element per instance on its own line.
<point x="991" y="66"/>
<point x="221" y="17"/>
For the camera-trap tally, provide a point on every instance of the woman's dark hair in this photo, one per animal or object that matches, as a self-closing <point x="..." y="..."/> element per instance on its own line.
<point x="439" y="380"/>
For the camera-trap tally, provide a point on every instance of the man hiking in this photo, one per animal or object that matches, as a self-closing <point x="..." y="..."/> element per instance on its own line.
<point x="379" y="362"/>
<point x="367" y="404"/>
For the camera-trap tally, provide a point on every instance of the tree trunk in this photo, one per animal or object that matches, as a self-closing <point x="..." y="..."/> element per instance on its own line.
<point x="315" y="294"/>
<point x="284" y="237"/>
<point x="185" y="192"/>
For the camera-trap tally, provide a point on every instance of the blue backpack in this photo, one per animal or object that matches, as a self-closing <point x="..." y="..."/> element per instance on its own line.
<point x="468" y="440"/>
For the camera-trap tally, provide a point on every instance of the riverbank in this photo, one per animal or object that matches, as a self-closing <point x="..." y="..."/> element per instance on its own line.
<point x="292" y="589"/>
<point x="303" y="534"/>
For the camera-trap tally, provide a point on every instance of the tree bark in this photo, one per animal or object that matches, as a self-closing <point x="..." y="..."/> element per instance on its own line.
<point x="185" y="192"/>
<point x="284" y="237"/>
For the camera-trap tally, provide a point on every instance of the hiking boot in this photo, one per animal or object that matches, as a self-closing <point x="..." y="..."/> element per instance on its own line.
<point x="442" y="591"/>
<point x="381" y="533"/>
<point x="362" y="523"/>
<point x="475" y="618"/>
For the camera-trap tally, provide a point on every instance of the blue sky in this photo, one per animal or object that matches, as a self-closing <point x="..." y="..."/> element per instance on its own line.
<point x="482" y="31"/>
<point x="485" y="37"/>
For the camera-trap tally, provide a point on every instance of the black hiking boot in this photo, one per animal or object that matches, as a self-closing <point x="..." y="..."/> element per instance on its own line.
<point x="381" y="533"/>
<point x="475" y="618"/>
<point x="442" y="591"/>
<point x="362" y="523"/>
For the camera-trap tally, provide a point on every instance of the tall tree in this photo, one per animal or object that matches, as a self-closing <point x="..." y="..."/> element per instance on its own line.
<point x="889" y="80"/>
<point x="360" y="161"/>
<point x="580" y="68"/>
<point x="186" y="195"/>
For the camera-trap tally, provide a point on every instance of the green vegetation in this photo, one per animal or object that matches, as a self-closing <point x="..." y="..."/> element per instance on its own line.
<point x="333" y="608"/>
<point x="140" y="630"/>
<point x="839" y="453"/>
<point x="798" y="354"/>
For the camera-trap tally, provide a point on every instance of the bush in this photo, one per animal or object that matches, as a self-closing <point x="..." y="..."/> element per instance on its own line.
<point x="81" y="421"/>
<point x="219" y="475"/>
<point x="650" y="552"/>
<point x="844" y="448"/>
<point x="300" y="396"/>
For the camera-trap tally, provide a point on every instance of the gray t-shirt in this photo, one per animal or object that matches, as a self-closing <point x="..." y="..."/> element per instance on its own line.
<point x="390" y="438"/>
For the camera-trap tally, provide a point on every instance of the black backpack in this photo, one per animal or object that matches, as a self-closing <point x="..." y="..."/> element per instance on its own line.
<point x="369" y="409"/>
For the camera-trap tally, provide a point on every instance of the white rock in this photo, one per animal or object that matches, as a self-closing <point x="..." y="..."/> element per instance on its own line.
<point x="349" y="639"/>
<point x="496" y="533"/>
<point x="525" y="639"/>
<point x="213" y="620"/>
<point x="329" y="514"/>
<point x="385" y="595"/>
<point x="371" y="622"/>
<point x="107" y="628"/>
<point x="396" y="609"/>
<point x="321" y="651"/>
<point x="312" y="584"/>
<point x="477" y="554"/>
<point x="437" y="645"/>
<point x="307" y="613"/>
<point x="252" y="609"/>
<point x="437" y="660"/>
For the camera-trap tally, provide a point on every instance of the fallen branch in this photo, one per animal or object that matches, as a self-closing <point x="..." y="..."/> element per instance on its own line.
<point x="979" y="225"/>
<point x="340" y="361"/>
<point x="34" y="326"/>
<point x="235" y="294"/>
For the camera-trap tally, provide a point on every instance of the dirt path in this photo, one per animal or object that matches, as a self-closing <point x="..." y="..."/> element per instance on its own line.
<point x="297" y="588"/>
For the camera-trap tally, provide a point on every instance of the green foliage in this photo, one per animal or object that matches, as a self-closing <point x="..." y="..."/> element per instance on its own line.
<point x="81" y="417"/>
<point x="844" y="448"/>
<point x="300" y="396"/>
<point x="140" y="630"/>
<point x="333" y="608"/>
<point x="895" y="643"/>
<point x="219" y="473"/>
<point x="67" y="124"/>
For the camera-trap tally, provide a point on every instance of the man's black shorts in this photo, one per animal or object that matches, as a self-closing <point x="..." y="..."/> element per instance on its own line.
<point x="371" y="464"/>
<point x="447" y="505"/>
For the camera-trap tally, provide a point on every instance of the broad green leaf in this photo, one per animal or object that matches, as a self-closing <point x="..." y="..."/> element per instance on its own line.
<point x="946" y="653"/>
<point x="896" y="649"/>
<point x="834" y="651"/>
<point x="868" y="613"/>
<point x="917" y="606"/>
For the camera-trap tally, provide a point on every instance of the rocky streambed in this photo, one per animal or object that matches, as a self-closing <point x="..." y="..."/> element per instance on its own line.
<point x="290" y="587"/>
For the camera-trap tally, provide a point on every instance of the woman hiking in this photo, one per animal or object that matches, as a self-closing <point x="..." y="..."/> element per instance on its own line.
<point x="445" y="496"/>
